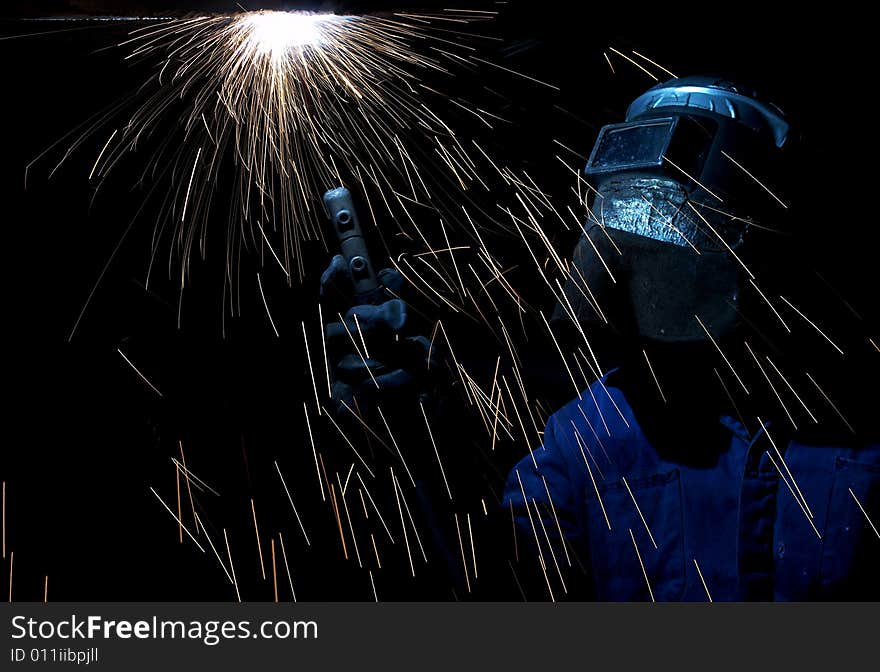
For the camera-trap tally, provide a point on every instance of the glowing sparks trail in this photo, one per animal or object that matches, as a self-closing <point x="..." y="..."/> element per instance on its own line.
<point x="292" y="505"/>
<point x="641" y="515"/>
<point x="703" y="580"/>
<point x="278" y="106"/>
<point x="137" y="371"/>
<point x="862" y="509"/>
<point x="642" y="565"/>
<point x="168" y="509"/>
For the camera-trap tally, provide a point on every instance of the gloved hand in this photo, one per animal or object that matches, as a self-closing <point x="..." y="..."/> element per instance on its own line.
<point x="373" y="357"/>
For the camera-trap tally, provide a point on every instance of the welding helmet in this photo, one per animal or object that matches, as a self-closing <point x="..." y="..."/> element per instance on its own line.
<point x="676" y="188"/>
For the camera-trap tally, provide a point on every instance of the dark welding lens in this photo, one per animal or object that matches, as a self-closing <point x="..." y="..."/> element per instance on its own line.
<point x="632" y="145"/>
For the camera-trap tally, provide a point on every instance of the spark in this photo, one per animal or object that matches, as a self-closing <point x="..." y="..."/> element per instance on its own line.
<point x="464" y="563"/>
<point x="473" y="548"/>
<point x="347" y="478"/>
<point x="578" y="439"/>
<point x="721" y="238"/>
<point x="640" y="67"/>
<point x="287" y="567"/>
<point x="324" y="350"/>
<point x="231" y="566"/>
<point x="796" y="395"/>
<point x="518" y="74"/>
<point x="272" y="250"/>
<point x="266" y="306"/>
<point x="770" y="383"/>
<point x="772" y="307"/>
<point x="376" y="550"/>
<point x="800" y="494"/>
<point x="309" y="357"/>
<point x="583" y="443"/>
<point x="556" y="518"/>
<point x="361" y="335"/>
<point x="373" y="584"/>
<point x="550" y="545"/>
<point x="338" y="519"/>
<point x="761" y="184"/>
<point x="683" y="172"/>
<point x="641" y="564"/>
<point x="357" y="349"/>
<point x="402" y="522"/>
<point x="412" y="522"/>
<point x="561" y="356"/>
<point x="531" y="522"/>
<point x="161" y="501"/>
<point x="730" y="398"/>
<point x="378" y="513"/>
<point x="186" y="474"/>
<point x="830" y="403"/>
<point x="199" y="524"/>
<point x="668" y="222"/>
<point x="654" y="375"/>
<point x="721" y="352"/>
<point x="314" y="451"/>
<point x="179" y="514"/>
<point x="196" y="481"/>
<point x="259" y="545"/>
<point x="655" y="64"/>
<point x="595" y="434"/>
<point x="870" y="522"/>
<point x="137" y="371"/>
<point x="436" y="451"/>
<point x="104" y="149"/>
<point x="513" y="529"/>
<point x="793" y="494"/>
<point x="189" y="186"/>
<point x="608" y="60"/>
<point x="274" y="573"/>
<point x="705" y="587"/>
<point x="812" y="324"/>
<point x="599" y="380"/>
<point x="290" y="499"/>
<point x="644" y="522"/>
<point x="364" y="505"/>
<point x="598" y="254"/>
<point x="519" y="419"/>
<point x="396" y="447"/>
<point x="350" y="444"/>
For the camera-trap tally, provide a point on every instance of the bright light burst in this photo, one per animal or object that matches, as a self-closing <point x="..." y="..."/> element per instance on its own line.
<point x="276" y="33"/>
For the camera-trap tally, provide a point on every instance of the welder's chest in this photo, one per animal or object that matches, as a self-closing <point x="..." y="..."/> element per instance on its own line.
<point x="761" y="525"/>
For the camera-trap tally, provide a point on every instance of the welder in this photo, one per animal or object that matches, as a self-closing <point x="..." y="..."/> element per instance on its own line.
<point x="653" y="476"/>
<point x="656" y="483"/>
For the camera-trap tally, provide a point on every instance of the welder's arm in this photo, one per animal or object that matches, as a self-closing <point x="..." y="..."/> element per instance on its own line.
<point x="538" y="518"/>
<point x="374" y="357"/>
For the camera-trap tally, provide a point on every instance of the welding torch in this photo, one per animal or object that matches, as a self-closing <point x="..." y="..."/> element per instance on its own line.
<point x="340" y="209"/>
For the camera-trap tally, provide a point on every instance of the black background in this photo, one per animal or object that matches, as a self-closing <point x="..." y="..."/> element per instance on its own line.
<point x="84" y="438"/>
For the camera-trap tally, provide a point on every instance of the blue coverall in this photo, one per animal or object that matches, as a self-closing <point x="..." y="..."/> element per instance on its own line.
<point x="759" y="524"/>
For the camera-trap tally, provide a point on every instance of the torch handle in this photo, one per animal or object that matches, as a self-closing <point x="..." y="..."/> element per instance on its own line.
<point x="340" y="209"/>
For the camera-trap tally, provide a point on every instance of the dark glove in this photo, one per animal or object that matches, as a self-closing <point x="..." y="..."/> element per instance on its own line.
<point x="373" y="358"/>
